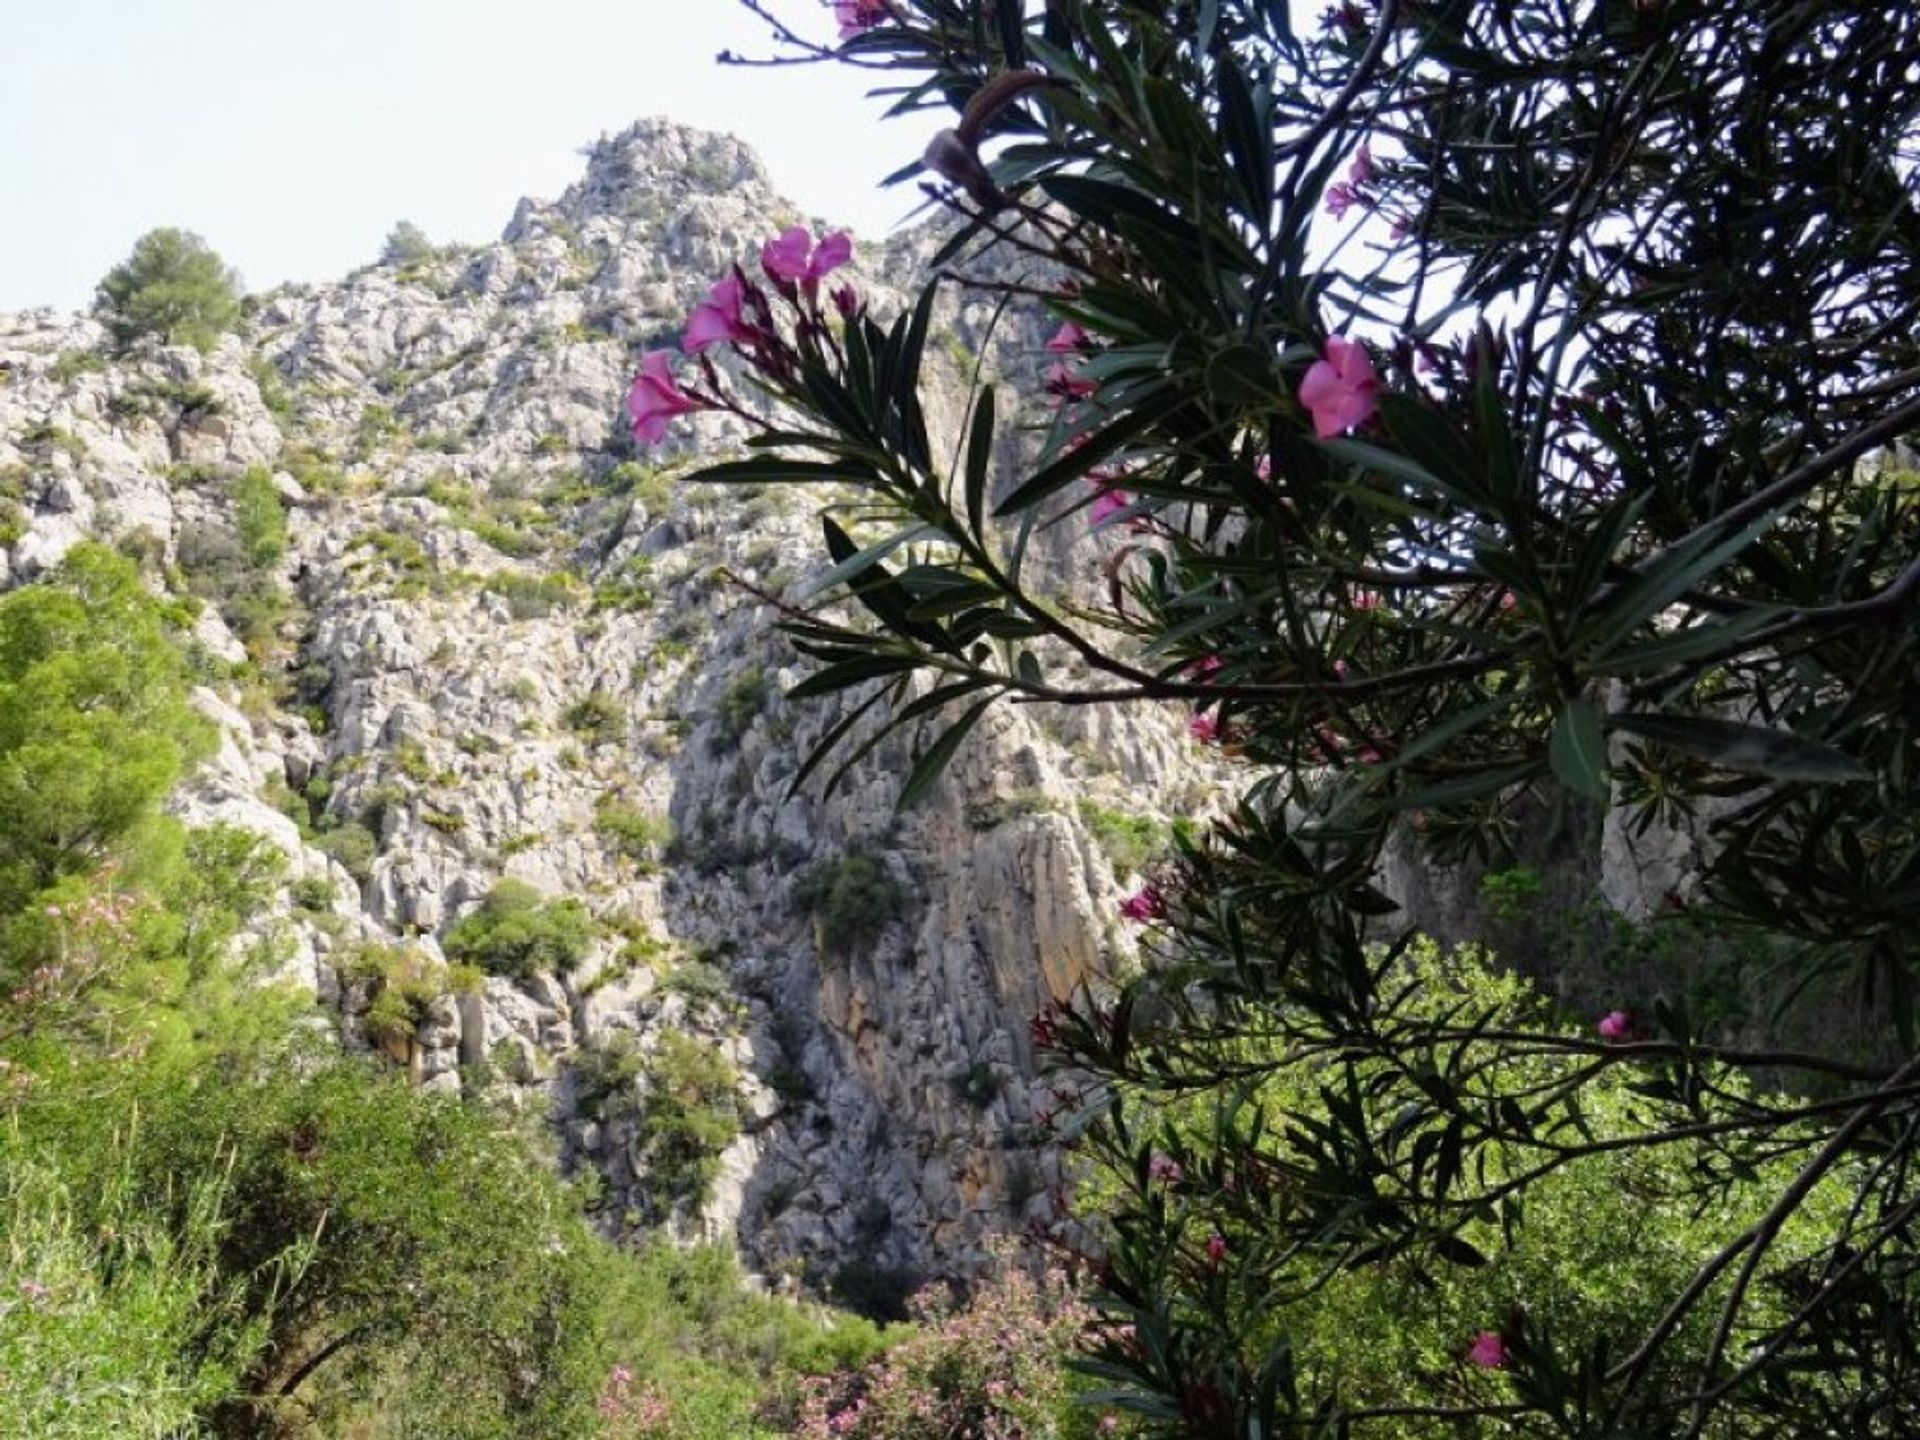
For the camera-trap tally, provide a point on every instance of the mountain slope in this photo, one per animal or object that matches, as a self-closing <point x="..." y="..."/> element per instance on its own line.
<point x="497" y="645"/>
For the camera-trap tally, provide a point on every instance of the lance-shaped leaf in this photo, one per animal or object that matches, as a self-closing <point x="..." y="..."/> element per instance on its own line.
<point x="1752" y="749"/>
<point x="928" y="768"/>
<point x="1578" y="749"/>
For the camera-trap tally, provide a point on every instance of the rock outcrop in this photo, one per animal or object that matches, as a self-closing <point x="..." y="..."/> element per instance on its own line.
<point x="498" y="645"/>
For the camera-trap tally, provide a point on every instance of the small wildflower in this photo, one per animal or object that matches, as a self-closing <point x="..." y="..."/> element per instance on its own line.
<point x="857" y="16"/>
<point x="1067" y="339"/>
<point x="1164" y="1168"/>
<point x="1488" y="1351"/>
<point x="1145" y="904"/>
<point x="792" y="256"/>
<point x="1614" y="1025"/>
<point x="1062" y="382"/>
<point x="1108" y="501"/>
<point x="1340" y="388"/>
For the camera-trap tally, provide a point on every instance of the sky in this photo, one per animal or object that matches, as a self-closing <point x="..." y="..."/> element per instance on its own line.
<point x="293" y="135"/>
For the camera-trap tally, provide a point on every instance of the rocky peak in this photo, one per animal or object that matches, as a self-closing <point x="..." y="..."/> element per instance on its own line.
<point x="649" y="172"/>
<point x="501" y="646"/>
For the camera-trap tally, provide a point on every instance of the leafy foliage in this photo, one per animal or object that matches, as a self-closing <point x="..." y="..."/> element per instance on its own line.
<point x="852" y="899"/>
<point x="1554" y="478"/>
<point x="689" y="1114"/>
<point x="517" y="932"/>
<point x="992" y="1366"/>
<point x="406" y="245"/>
<point x="172" y="287"/>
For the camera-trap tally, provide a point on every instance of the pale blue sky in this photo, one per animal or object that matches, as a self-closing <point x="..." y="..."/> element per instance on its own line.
<point x="293" y="134"/>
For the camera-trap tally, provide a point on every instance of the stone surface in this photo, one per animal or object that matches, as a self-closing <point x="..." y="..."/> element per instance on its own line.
<point x="447" y="441"/>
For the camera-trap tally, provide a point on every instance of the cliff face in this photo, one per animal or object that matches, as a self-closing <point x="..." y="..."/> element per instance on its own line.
<point x="502" y="646"/>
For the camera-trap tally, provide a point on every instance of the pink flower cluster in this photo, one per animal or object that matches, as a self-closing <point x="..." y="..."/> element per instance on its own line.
<point x="633" y="1415"/>
<point x="1615" y="1025"/>
<point x="990" y="1370"/>
<point x="1488" y="1351"/>
<point x="1145" y="905"/>
<point x="856" y="17"/>
<point x="1340" y="389"/>
<point x="1347" y="193"/>
<point x="737" y="312"/>
<point x="1109" y="499"/>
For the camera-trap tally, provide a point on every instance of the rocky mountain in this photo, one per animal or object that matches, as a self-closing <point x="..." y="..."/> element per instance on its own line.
<point x="497" y="645"/>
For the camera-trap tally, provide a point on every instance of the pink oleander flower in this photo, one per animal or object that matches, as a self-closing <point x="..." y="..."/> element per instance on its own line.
<point x="1614" y="1025"/>
<point x="1341" y="388"/>
<point x="656" y="398"/>
<point x="1216" y="1247"/>
<point x="857" y="16"/>
<point x="1263" y="468"/>
<point x="716" y="319"/>
<point x="1108" y="501"/>
<point x="793" y="257"/>
<point x="1361" y="172"/>
<point x="1204" y="727"/>
<point x="1203" y="667"/>
<point x="1343" y="195"/>
<point x="1365" y="600"/>
<point x="1488" y="1351"/>
<point x="1144" y="905"/>
<point x="1109" y="1423"/>
<point x="1164" y="1168"/>
<point x="1340" y="669"/>
<point x="1061" y="381"/>
<point x="1043" y="1028"/>
<point x="1067" y="339"/>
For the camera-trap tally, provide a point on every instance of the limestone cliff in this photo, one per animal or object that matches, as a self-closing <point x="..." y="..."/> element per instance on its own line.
<point x="499" y="644"/>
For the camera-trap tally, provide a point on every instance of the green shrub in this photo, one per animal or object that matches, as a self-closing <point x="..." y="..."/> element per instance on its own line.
<point x="852" y="899"/>
<point x="354" y="846"/>
<point x="627" y="589"/>
<point x="110" y="1324"/>
<point x="1598" y="1248"/>
<point x="743" y="698"/>
<point x="94" y="724"/>
<point x="701" y="983"/>
<point x="172" y="287"/>
<point x="407" y="245"/>
<point x="996" y="1365"/>
<point x="644" y="484"/>
<point x="313" y="893"/>
<point x="598" y="718"/>
<point x="46" y="436"/>
<point x="405" y="982"/>
<point x="706" y="1358"/>
<point x="531" y="597"/>
<point x="604" y="1073"/>
<point x="260" y="518"/>
<point x="640" y="835"/>
<point x="72" y="364"/>
<point x="1130" y="841"/>
<point x="518" y="933"/>
<point x="691" y="1113"/>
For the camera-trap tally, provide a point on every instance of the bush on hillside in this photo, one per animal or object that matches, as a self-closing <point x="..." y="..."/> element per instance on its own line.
<point x="518" y="932"/>
<point x="174" y="288"/>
